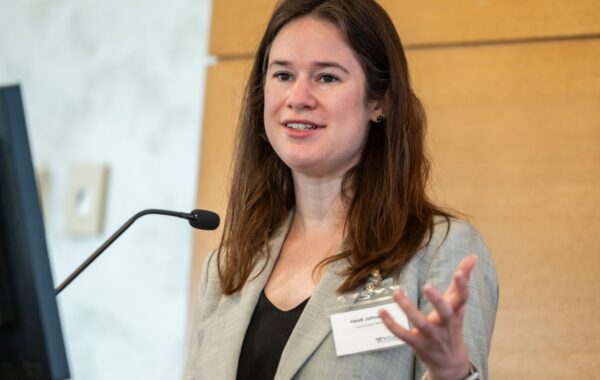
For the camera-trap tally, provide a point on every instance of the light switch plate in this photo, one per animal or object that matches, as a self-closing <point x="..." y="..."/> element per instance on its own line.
<point x="86" y="199"/>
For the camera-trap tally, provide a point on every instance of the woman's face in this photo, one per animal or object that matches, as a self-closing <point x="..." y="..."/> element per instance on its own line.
<point x="316" y="115"/>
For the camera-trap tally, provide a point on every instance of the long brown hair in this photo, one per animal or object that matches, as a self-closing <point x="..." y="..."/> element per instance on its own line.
<point x="389" y="214"/>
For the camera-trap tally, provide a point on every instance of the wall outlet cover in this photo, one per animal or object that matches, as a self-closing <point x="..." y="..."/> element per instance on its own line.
<point x="86" y="199"/>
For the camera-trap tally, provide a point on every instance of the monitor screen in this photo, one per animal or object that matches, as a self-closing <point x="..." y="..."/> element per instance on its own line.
<point x="31" y="341"/>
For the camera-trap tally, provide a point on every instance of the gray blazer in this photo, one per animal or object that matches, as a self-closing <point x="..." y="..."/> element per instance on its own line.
<point x="221" y="321"/>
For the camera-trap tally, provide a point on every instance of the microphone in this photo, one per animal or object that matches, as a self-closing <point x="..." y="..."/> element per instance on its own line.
<point x="203" y="220"/>
<point x="200" y="219"/>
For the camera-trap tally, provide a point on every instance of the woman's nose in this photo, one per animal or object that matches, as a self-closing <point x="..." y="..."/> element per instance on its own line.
<point x="301" y="95"/>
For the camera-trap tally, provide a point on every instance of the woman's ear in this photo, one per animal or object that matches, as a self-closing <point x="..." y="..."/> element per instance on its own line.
<point x="378" y="109"/>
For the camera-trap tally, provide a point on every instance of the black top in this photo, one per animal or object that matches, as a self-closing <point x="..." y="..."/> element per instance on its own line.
<point x="267" y="334"/>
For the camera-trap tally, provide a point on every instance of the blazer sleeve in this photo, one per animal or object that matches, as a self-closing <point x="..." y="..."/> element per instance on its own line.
<point x="449" y="244"/>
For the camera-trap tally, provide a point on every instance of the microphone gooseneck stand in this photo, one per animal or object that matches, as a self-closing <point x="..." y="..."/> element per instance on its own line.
<point x="201" y="219"/>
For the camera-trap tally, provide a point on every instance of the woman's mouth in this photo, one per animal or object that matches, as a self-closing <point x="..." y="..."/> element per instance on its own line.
<point x="301" y="126"/>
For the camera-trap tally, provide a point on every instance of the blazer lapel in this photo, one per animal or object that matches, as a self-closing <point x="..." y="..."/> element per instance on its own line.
<point x="240" y="307"/>
<point x="313" y="325"/>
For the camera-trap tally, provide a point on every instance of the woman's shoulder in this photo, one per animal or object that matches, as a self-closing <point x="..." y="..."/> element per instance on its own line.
<point x="452" y="229"/>
<point x="451" y="240"/>
<point x="209" y="286"/>
<point x="455" y="234"/>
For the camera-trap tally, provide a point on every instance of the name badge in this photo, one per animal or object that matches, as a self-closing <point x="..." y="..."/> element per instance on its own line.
<point x="361" y="329"/>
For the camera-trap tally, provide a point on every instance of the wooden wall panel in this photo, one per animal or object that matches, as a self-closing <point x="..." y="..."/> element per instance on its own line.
<point x="224" y="93"/>
<point x="441" y="21"/>
<point x="238" y="24"/>
<point x="515" y="139"/>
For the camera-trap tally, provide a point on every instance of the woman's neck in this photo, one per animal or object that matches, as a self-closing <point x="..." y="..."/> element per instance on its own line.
<point x="319" y="204"/>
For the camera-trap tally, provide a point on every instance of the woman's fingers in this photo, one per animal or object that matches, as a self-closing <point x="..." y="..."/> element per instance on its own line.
<point x="458" y="292"/>
<point x="414" y="315"/>
<point x="461" y="294"/>
<point x="466" y="265"/>
<point x="406" y="335"/>
<point x="444" y="310"/>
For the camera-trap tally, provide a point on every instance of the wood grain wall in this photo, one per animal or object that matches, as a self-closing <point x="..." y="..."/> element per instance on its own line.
<point x="512" y="91"/>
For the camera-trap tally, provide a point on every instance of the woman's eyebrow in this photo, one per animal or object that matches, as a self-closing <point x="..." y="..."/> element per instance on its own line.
<point x="320" y="65"/>
<point x="326" y="65"/>
<point x="279" y="63"/>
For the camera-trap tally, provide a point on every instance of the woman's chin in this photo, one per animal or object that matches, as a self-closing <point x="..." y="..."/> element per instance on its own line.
<point x="317" y="169"/>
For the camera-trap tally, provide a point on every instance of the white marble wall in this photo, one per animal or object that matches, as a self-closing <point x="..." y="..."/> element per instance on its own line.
<point x="117" y="82"/>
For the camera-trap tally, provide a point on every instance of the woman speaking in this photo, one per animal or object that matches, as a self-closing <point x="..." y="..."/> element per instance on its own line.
<point x="328" y="209"/>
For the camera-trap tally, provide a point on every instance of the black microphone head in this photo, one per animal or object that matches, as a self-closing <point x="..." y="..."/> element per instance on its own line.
<point x="204" y="220"/>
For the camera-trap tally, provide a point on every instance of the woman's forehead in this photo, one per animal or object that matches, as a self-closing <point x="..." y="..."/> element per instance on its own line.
<point x="309" y="40"/>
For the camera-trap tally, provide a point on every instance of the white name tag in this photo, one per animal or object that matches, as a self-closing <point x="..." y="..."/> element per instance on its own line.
<point x="362" y="330"/>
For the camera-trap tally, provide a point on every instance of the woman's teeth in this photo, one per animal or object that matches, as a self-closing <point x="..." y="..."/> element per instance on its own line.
<point x="300" y="126"/>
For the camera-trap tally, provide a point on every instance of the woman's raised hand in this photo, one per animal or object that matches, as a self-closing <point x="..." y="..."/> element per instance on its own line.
<point x="437" y="338"/>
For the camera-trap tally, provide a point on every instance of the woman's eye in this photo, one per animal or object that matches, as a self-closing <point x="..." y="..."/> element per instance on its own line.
<point x="328" y="78"/>
<point x="282" y="77"/>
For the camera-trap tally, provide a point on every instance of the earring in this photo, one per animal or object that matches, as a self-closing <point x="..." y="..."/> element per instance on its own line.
<point x="380" y="118"/>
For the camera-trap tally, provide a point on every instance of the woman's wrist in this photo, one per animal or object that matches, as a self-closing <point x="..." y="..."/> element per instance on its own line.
<point x="467" y="373"/>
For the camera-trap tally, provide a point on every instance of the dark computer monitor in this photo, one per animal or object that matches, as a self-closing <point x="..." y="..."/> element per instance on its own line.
<point x="31" y="341"/>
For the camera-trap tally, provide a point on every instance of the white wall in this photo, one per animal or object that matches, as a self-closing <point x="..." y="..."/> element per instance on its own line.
<point x="117" y="82"/>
